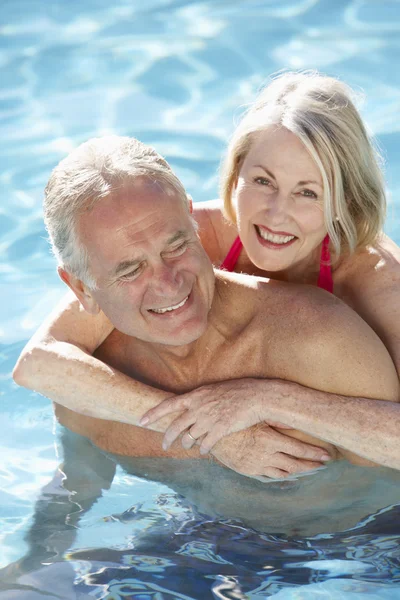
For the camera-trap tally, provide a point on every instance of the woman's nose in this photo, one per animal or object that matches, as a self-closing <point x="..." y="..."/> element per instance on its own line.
<point x="277" y="205"/>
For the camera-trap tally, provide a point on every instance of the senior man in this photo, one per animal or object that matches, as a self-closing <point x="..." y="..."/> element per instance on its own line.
<point x="119" y="221"/>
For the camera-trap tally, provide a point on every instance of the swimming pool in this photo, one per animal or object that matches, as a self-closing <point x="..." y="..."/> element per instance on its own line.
<point x="172" y="73"/>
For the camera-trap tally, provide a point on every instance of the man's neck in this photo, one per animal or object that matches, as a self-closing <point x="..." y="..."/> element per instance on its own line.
<point x="215" y="333"/>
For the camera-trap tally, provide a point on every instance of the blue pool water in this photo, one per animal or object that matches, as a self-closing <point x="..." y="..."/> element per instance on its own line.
<point x="173" y="73"/>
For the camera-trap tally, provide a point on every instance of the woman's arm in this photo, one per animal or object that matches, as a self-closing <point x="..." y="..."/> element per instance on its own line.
<point x="58" y="363"/>
<point x="359" y="427"/>
<point x="340" y="356"/>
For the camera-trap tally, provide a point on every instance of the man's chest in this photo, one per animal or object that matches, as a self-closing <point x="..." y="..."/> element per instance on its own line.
<point x="245" y="356"/>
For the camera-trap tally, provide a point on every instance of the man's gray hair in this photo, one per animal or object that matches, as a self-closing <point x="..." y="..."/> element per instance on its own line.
<point x="94" y="170"/>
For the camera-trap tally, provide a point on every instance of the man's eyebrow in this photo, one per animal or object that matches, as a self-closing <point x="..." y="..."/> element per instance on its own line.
<point x="306" y="182"/>
<point x="179" y="235"/>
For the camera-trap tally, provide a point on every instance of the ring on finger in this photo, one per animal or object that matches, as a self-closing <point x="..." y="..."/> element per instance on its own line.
<point x="191" y="437"/>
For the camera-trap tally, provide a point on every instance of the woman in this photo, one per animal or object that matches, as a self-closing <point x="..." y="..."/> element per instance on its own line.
<point x="302" y="187"/>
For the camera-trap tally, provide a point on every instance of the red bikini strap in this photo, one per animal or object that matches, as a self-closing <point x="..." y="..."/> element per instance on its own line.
<point x="231" y="258"/>
<point x="325" y="280"/>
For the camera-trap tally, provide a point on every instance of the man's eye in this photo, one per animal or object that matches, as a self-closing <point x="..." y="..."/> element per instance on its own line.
<point x="178" y="250"/>
<point x="131" y="275"/>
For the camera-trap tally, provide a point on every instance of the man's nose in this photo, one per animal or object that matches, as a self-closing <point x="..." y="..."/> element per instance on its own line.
<point x="166" y="278"/>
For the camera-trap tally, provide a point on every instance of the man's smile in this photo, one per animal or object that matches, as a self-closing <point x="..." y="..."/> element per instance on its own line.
<point x="171" y="308"/>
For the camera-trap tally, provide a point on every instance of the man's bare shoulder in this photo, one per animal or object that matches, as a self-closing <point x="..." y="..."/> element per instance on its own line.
<point x="317" y="340"/>
<point x="310" y="314"/>
<point x="302" y="318"/>
<point x="297" y="303"/>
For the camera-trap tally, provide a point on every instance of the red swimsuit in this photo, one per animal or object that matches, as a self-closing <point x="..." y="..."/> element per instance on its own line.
<point x="325" y="280"/>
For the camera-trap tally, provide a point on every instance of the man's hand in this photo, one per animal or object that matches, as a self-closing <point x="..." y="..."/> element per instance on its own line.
<point x="263" y="452"/>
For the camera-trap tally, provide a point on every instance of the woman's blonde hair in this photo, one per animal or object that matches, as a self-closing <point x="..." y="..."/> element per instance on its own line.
<point x="320" y="111"/>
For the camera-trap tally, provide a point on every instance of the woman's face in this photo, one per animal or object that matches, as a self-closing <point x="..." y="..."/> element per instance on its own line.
<point x="279" y="202"/>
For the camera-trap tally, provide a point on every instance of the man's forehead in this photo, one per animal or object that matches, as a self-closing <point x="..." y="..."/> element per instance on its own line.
<point x="151" y="190"/>
<point x="122" y="229"/>
<point x="139" y="200"/>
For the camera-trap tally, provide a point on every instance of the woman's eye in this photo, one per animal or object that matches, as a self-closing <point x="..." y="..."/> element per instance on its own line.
<point x="262" y="180"/>
<point x="309" y="194"/>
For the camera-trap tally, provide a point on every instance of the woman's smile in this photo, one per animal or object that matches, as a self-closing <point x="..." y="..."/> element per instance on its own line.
<point x="272" y="239"/>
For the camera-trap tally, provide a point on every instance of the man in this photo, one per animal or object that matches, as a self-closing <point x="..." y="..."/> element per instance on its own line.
<point x="120" y="224"/>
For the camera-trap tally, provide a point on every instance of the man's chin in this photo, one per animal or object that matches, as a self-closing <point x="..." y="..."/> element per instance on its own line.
<point x="183" y="336"/>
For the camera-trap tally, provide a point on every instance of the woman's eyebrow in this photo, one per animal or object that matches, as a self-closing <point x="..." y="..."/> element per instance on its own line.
<point x="266" y="171"/>
<point x="310" y="181"/>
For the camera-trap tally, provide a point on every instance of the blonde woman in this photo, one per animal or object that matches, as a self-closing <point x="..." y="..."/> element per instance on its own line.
<point x="304" y="202"/>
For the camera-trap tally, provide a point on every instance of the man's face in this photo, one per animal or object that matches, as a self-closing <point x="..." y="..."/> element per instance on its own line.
<point x="154" y="279"/>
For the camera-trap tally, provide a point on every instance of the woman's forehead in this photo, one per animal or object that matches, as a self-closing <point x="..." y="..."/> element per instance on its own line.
<point x="280" y="149"/>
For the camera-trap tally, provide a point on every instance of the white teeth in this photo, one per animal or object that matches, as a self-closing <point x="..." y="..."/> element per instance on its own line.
<point x="169" y="308"/>
<point x="274" y="237"/>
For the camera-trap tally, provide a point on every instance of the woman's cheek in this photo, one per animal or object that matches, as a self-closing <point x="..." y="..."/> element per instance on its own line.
<point x="311" y="217"/>
<point x="244" y="204"/>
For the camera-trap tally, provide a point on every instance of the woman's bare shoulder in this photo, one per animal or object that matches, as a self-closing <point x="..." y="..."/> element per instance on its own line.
<point x="374" y="268"/>
<point x="217" y="234"/>
<point x="369" y="282"/>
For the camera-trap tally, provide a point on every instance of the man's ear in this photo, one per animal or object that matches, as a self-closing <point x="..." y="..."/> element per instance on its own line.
<point x="81" y="291"/>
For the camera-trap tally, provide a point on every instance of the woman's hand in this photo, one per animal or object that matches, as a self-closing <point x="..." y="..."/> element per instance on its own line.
<point x="212" y="412"/>
<point x="261" y="452"/>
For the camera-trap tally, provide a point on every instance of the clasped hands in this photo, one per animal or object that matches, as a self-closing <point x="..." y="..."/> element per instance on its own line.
<point x="207" y="415"/>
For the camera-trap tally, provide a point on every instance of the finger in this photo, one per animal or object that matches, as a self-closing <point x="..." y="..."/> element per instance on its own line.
<point x="299" y="449"/>
<point x="294" y="465"/>
<point x="275" y="473"/>
<point x="188" y="439"/>
<point x="177" y="403"/>
<point x="277" y="425"/>
<point x="176" y="428"/>
<point x="211" y="438"/>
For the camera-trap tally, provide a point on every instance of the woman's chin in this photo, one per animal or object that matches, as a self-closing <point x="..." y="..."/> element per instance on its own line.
<point x="271" y="266"/>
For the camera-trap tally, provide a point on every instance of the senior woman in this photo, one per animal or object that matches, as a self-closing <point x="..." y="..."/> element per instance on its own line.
<point x="303" y="201"/>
